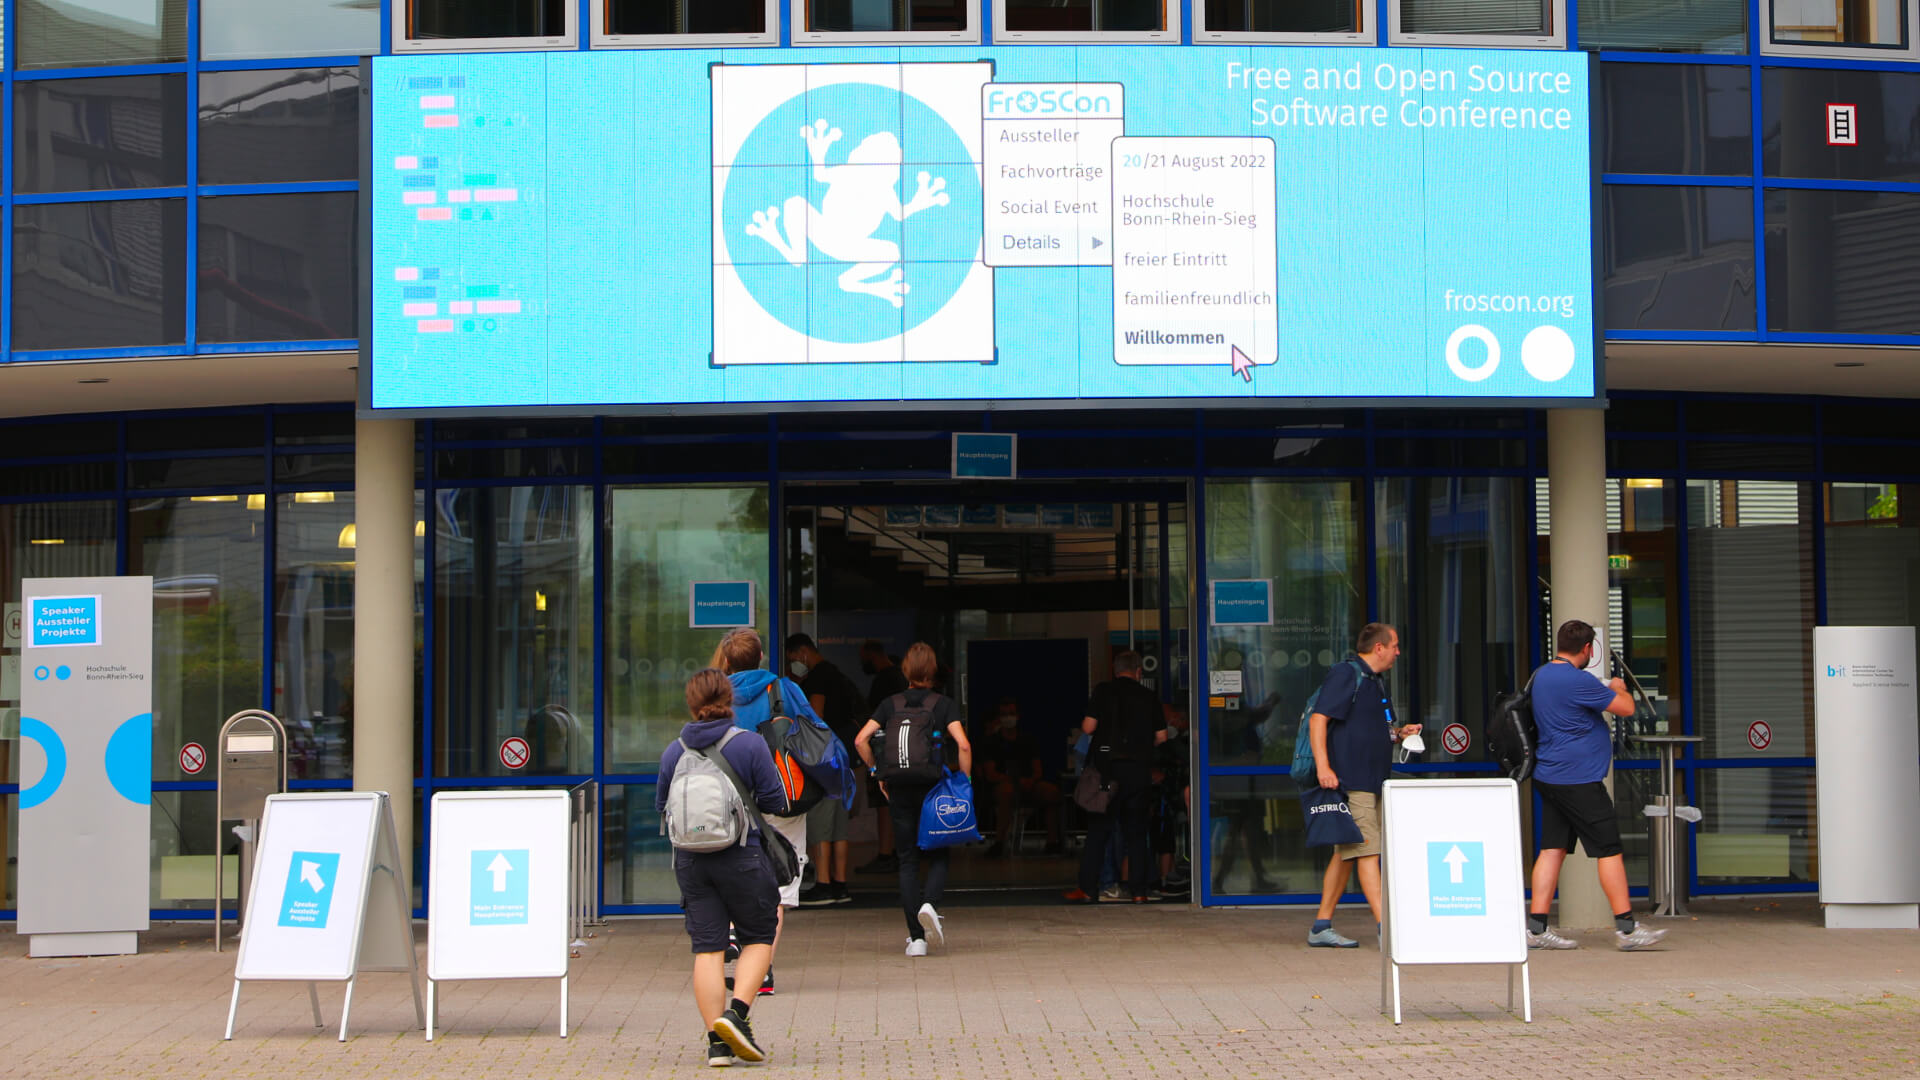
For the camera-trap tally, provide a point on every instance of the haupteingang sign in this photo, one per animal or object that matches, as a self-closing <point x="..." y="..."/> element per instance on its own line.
<point x="1030" y="225"/>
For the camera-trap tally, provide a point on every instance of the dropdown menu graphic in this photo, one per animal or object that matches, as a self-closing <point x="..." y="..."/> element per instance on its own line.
<point x="1048" y="188"/>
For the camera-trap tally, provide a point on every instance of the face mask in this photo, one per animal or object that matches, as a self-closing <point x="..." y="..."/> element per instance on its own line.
<point x="799" y="669"/>
<point x="1009" y="722"/>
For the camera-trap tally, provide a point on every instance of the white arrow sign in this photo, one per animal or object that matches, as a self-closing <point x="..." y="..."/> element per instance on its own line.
<point x="1455" y="860"/>
<point x="498" y="868"/>
<point x="310" y="873"/>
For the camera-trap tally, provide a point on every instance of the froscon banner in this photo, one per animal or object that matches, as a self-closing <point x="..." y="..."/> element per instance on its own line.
<point x="752" y="227"/>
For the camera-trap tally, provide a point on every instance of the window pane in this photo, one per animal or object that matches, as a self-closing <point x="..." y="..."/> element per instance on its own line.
<point x="1758" y="826"/>
<point x="1796" y="132"/>
<point x="513" y="629"/>
<point x="1284" y="16"/>
<point x="1305" y="536"/>
<point x="1833" y="22"/>
<point x="1842" y="261"/>
<point x="1676" y="119"/>
<point x="1475" y="17"/>
<point x="1259" y="840"/>
<point x="886" y="15"/>
<point x="1643" y="613"/>
<point x="664" y="539"/>
<point x="251" y="29"/>
<point x="278" y="267"/>
<point x="1055" y="15"/>
<point x="435" y="19"/>
<point x="71" y="33"/>
<point x="1452" y="573"/>
<point x="206" y="559"/>
<point x="1645" y="25"/>
<point x="262" y="127"/>
<point x="64" y="539"/>
<point x="1873" y="555"/>
<point x="99" y="275"/>
<point x="184" y="832"/>
<point x="1750" y="572"/>
<point x="638" y="865"/>
<point x="125" y="131"/>
<point x="1677" y="258"/>
<point x="685" y="17"/>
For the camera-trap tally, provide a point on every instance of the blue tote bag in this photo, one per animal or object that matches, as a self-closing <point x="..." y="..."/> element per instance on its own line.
<point x="947" y="817"/>
<point x="1329" y="821"/>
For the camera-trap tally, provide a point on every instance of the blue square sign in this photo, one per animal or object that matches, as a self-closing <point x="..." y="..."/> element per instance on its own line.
<point x="985" y="455"/>
<point x="714" y="605"/>
<point x="54" y="621"/>
<point x="499" y="881"/>
<point x="309" y="892"/>
<point x="1457" y="877"/>
<point x="1243" y="602"/>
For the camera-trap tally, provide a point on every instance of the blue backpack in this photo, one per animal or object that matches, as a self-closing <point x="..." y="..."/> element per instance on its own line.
<point x="1304" y="772"/>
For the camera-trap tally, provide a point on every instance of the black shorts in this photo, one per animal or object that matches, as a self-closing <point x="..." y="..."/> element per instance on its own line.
<point x="1578" y="811"/>
<point x="733" y="888"/>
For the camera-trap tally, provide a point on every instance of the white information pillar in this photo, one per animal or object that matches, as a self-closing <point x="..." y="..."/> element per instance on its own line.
<point x="498" y="883"/>
<point x="1867" y="769"/>
<point x="1451" y="870"/>
<point x="86" y="771"/>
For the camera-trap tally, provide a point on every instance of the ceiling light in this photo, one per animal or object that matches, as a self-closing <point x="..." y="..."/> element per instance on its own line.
<point x="213" y="498"/>
<point x="1644" y="483"/>
<point x="539" y="600"/>
<point x="419" y="529"/>
<point x="256" y="501"/>
<point x="49" y="540"/>
<point x="349" y="536"/>
<point x="313" y="496"/>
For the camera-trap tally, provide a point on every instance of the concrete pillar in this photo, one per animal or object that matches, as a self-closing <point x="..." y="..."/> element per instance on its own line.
<point x="1577" y="478"/>
<point x="383" y="620"/>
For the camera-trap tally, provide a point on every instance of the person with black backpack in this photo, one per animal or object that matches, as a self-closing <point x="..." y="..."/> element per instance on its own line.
<point x="915" y="731"/>
<point x="715" y="782"/>
<point x="1126" y="723"/>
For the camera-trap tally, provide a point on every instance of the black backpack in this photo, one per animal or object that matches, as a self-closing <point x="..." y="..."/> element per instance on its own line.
<point x="910" y="750"/>
<point x="1513" y="738"/>
<point x="797" y="747"/>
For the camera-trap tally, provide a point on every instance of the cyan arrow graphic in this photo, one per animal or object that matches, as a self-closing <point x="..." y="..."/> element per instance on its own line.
<point x="499" y="867"/>
<point x="1455" y="860"/>
<point x="310" y="873"/>
<point x="1242" y="364"/>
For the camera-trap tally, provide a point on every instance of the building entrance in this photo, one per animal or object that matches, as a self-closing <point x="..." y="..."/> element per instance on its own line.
<point x="1026" y="591"/>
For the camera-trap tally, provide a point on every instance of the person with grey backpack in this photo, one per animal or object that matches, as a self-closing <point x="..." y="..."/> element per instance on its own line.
<point x="715" y="783"/>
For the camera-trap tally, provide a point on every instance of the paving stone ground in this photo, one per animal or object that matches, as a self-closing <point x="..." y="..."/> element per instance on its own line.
<point x="1749" y="988"/>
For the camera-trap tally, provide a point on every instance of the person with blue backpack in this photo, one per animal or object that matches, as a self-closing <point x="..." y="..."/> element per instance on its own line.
<point x="1349" y="725"/>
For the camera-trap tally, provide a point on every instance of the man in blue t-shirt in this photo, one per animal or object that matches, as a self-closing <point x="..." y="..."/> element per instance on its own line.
<point x="1570" y="706"/>
<point x="1353" y="737"/>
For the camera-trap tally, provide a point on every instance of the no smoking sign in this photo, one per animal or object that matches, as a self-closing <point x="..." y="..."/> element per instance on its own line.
<point x="1759" y="735"/>
<point x="1456" y="739"/>
<point x="514" y="752"/>
<point x="193" y="758"/>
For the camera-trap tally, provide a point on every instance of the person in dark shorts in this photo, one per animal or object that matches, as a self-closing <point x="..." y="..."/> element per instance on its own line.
<point x="888" y="680"/>
<point x="837" y="701"/>
<point x="1571" y="705"/>
<point x="731" y="887"/>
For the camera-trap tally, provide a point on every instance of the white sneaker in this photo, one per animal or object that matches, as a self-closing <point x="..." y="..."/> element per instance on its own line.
<point x="1111" y="892"/>
<point x="1549" y="939"/>
<point x="930" y="922"/>
<point x="1642" y="936"/>
<point x="916" y="947"/>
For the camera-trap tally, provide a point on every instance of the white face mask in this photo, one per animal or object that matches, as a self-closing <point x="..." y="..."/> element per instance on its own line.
<point x="799" y="669"/>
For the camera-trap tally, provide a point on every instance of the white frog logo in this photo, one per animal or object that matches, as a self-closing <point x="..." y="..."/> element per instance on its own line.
<point x="860" y="195"/>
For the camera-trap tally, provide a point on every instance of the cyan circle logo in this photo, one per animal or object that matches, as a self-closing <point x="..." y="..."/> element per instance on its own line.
<point x="53" y="772"/>
<point x="852" y="213"/>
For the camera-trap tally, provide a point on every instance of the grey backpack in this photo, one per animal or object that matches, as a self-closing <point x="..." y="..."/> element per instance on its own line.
<point x="705" y="811"/>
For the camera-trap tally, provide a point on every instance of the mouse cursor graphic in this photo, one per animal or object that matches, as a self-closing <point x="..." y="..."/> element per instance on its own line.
<point x="1242" y="364"/>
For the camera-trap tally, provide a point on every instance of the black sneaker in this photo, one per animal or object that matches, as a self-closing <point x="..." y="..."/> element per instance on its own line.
<point x="840" y="893"/>
<point x="733" y="947"/>
<point x="737" y="1033"/>
<point x="766" y="985"/>
<point x="719" y="1055"/>
<point x="881" y="864"/>
<point x="818" y="896"/>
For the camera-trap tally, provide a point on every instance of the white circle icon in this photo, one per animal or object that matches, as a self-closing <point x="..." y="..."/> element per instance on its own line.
<point x="1485" y="337"/>
<point x="1547" y="353"/>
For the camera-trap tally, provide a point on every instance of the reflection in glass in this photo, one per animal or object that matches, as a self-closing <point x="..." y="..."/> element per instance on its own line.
<point x="255" y="29"/>
<point x="181" y="871"/>
<point x="664" y="540"/>
<point x="886" y="15"/>
<point x="1285" y="16"/>
<point x="685" y="17"/>
<point x="99" y="275"/>
<point x="1677" y="258"/>
<point x="1873" y="555"/>
<point x="206" y="555"/>
<point x="1643" y="581"/>
<point x="1258" y="841"/>
<point x="463" y="19"/>
<point x="1837" y="261"/>
<point x="9" y="851"/>
<point x="1887" y="133"/>
<point x="285" y="124"/>
<point x="1306" y="537"/>
<point x="1750" y="575"/>
<point x="1633" y="791"/>
<point x="76" y="33"/>
<point x="1709" y="26"/>
<point x="1452" y="574"/>
<point x="638" y="864"/>
<point x="1833" y="22"/>
<point x="123" y="131"/>
<point x="513" y="638"/>
<point x="278" y="267"/>
<point x="1531" y="17"/>
<point x="1758" y="826"/>
<point x="1084" y="15"/>
<point x="1676" y="119"/>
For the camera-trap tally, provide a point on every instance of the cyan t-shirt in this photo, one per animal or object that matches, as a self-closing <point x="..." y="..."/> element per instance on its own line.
<point x="1576" y="738"/>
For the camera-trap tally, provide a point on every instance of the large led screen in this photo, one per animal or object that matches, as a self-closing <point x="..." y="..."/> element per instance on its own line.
<point x="755" y="227"/>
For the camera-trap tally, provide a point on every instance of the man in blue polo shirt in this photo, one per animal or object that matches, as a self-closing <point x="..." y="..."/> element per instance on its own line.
<point x="1570" y="706"/>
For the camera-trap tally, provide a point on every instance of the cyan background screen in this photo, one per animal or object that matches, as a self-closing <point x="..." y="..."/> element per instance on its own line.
<point x="936" y="224"/>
